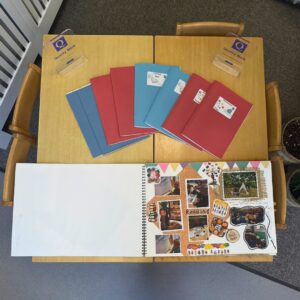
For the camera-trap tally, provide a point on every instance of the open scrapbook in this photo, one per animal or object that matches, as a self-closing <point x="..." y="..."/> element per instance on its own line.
<point x="163" y="209"/>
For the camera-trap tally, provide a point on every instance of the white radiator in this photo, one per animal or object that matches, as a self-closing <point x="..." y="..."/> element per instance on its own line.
<point x="22" y="25"/>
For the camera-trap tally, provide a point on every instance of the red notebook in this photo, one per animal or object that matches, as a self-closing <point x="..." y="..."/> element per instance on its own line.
<point x="188" y="101"/>
<point x="102" y="89"/>
<point x="123" y="90"/>
<point x="216" y="121"/>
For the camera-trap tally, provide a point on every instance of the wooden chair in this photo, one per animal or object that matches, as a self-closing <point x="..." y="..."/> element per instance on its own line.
<point x="209" y="28"/>
<point x="279" y="191"/>
<point x="18" y="153"/>
<point x="273" y="117"/>
<point x="29" y="91"/>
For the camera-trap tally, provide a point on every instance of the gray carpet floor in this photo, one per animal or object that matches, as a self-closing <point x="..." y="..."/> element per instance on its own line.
<point x="277" y="22"/>
<point x="20" y="279"/>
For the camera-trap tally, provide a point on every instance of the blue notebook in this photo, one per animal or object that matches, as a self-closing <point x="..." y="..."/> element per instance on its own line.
<point x="149" y="78"/>
<point x="85" y="110"/>
<point x="166" y="99"/>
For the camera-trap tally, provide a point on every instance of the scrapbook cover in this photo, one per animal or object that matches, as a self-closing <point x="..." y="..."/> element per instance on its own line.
<point x="123" y="90"/>
<point x="103" y="93"/>
<point x="185" y="106"/>
<point x="149" y="78"/>
<point x="83" y="105"/>
<point x="210" y="208"/>
<point x="165" y="99"/>
<point x="222" y="114"/>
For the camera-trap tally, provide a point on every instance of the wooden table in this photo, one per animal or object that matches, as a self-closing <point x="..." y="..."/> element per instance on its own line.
<point x="195" y="55"/>
<point x="60" y="139"/>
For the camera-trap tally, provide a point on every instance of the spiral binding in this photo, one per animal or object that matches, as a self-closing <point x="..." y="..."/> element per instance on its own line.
<point x="144" y="217"/>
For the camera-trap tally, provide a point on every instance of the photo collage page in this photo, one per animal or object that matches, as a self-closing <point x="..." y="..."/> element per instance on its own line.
<point x="210" y="208"/>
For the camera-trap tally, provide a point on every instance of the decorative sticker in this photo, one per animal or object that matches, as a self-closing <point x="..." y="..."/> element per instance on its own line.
<point x="218" y="227"/>
<point x="156" y="79"/>
<point x="152" y="212"/>
<point x="212" y="171"/>
<point x="179" y="86"/>
<point x="220" y="208"/>
<point x="153" y="175"/>
<point x="232" y="235"/>
<point x="224" y="107"/>
<point x="207" y="249"/>
<point x="199" y="96"/>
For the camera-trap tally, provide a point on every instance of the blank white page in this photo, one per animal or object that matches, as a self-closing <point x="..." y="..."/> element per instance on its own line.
<point x="77" y="210"/>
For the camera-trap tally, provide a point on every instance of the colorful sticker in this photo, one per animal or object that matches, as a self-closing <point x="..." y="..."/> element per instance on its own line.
<point x="218" y="227"/>
<point x="220" y="208"/>
<point x="179" y="86"/>
<point x="153" y="175"/>
<point x="156" y="78"/>
<point x="211" y="170"/>
<point x="199" y="96"/>
<point x="232" y="235"/>
<point x="152" y="212"/>
<point x="224" y="107"/>
<point x="208" y="249"/>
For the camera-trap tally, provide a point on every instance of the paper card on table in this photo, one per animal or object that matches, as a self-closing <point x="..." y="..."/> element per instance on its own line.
<point x="222" y="114"/>
<point x="83" y="105"/>
<point x="103" y="93"/>
<point x="149" y="78"/>
<point x="188" y="101"/>
<point x="165" y="100"/>
<point x="123" y="90"/>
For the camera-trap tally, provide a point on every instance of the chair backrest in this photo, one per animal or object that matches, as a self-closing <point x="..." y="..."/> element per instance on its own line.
<point x="29" y="91"/>
<point x="18" y="153"/>
<point x="209" y="28"/>
<point x="273" y="117"/>
<point x="279" y="191"/>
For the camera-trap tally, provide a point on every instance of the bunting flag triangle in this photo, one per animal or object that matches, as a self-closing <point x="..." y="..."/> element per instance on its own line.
<point x="174" y="166"/>
<point x="242" y="164"/>
<point x="163" y="166"/>
<point x="235" y="166"/>
<point x="230" y="164"/>
<point x="255" y="164"/>
<point x="265" y="163"/>
<point x="196" y="166"/>
<point x="183" y="165"/>
<point x="222" y="165"/>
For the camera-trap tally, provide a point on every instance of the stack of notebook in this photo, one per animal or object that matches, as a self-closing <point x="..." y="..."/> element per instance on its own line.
<point x="131" y="103"/>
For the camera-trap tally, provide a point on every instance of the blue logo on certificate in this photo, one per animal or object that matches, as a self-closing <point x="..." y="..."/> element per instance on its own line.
<point x="239" y="46"/>
<point x="60" y="44"/>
